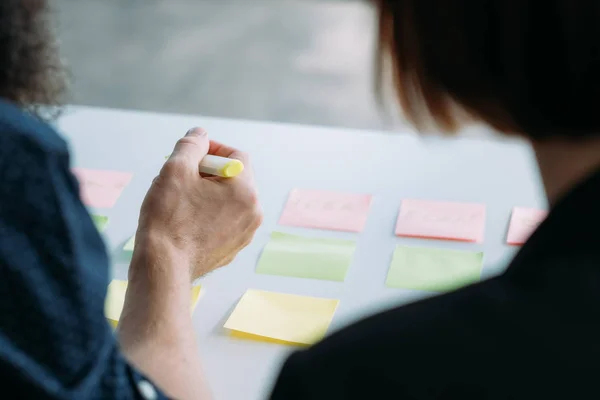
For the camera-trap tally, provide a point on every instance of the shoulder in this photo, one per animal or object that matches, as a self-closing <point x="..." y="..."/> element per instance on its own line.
<point x="34" y="159"/>
<point x="22" y="132"/>
<point x="35" y="176"/>
<point x="438" y="319"/>
<point x="434" y="343"/>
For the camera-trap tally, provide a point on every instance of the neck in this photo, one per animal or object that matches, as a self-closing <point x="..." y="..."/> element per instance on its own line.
<point x="563" y="164"/>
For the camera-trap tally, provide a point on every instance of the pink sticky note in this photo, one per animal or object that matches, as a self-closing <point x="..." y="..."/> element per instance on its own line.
<point x="522" y="224"/>
<point x="326" y="210"/>
<point x="100" y="188"/>
<point x="441" y="220"/>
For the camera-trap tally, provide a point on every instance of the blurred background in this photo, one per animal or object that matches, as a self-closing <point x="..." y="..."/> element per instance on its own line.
<point x="298" y="61"/>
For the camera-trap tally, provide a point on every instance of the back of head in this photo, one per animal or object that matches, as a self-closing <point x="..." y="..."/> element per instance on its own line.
<point x="530" y="67"/>
<point x="31" y="74"/>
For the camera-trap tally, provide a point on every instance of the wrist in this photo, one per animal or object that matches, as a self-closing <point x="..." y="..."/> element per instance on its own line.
<point x="158" y="292"/>
<point x="158" y="263"/>
<point x="156" y="322"/>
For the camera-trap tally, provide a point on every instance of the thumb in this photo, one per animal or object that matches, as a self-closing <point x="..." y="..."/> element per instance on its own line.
<point x="192" y="147"/>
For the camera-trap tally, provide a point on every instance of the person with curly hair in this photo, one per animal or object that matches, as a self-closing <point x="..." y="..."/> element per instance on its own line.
<point x="54" y="340"/>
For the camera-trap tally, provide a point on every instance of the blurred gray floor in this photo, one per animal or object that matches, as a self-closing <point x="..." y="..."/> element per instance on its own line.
<point x="301" y="61"/>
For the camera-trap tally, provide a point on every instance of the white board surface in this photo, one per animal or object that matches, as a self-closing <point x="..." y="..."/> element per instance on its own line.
<point x="390" y="166"/>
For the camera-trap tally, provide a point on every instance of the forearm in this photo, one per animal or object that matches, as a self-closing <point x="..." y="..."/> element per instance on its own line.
<point x="155" y="330"/>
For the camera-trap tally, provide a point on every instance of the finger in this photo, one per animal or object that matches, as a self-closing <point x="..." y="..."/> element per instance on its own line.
<point x="221" y="150"/>
<point x="191" y="148"/>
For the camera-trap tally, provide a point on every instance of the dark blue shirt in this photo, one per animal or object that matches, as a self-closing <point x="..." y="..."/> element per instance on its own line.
<point x="54" y="340"/>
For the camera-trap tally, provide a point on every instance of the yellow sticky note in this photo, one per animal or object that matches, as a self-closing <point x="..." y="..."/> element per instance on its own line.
<point x="279" y="317"/>
<point x="115" y="299"/>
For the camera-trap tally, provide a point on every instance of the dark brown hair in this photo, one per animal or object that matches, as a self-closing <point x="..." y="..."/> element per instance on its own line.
<point x="31" y="73"/>
<point x="525" y="66"/>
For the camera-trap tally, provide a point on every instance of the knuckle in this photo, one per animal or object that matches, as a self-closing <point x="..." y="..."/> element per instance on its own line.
<point x="173" y="167"/>
<point x="252" y="198"/>
<point x="188" y="141"/>
<point x="248" y="241"/>
<point x="245" y="196"/>
<point x="242" y="155"/>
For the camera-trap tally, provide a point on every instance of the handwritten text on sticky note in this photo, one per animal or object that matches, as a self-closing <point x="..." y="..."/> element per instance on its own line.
<point x="326" y="210"/>
<point x="101" y="188"/>
<point x="522" y="224"/>
<point x="441" y="220"/>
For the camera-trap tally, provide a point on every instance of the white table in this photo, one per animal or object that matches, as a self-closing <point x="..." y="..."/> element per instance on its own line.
<point x="499" y="173"/>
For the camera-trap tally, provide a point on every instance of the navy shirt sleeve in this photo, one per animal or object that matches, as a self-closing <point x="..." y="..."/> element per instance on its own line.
<point x="54" y="340"/>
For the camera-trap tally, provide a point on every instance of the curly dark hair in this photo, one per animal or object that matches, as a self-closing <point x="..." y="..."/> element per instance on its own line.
<point x="31" y="72"/>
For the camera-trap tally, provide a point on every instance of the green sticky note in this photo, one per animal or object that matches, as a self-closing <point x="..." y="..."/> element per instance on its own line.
<point x="100" y="221"/>
<point x="303" y="257"/>
<point x="432" y="269"/>
<point x="130" y="244"/>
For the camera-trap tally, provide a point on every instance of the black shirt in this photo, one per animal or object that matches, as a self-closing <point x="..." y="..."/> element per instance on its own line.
<point x="530" y="333"/>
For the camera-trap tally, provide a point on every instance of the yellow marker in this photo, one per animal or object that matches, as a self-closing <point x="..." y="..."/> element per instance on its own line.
<point x="221" y="166"/>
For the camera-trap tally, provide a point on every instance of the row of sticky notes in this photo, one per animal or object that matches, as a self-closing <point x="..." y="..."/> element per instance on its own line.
<point x="259" y="315"/>
<point x="411" y="267"/>
<point x="329" y="259"/>
<point x="420" y="268"/>
<point x="417" y="218"/>
<point x="345" y="211"/>
<point x="269" y="316"/>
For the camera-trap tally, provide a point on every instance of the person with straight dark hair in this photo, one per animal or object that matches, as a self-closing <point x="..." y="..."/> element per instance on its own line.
<point x="528" y="68"/>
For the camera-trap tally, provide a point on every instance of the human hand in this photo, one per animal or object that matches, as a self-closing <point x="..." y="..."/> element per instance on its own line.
<point x="205" y="220"/>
